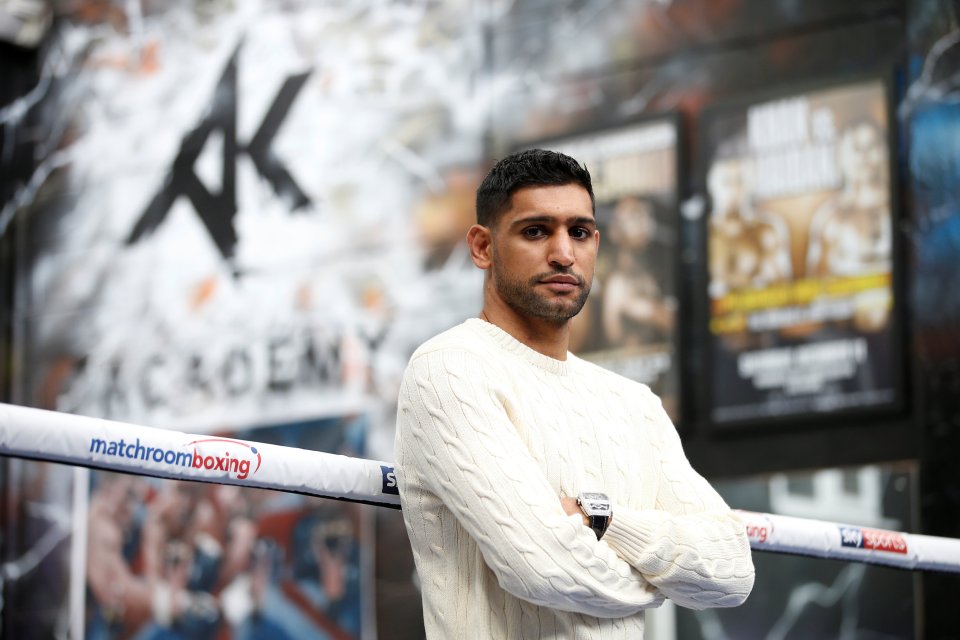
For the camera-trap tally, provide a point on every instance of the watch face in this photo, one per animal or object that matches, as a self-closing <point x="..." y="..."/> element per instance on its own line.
<point x="595" y="504"/>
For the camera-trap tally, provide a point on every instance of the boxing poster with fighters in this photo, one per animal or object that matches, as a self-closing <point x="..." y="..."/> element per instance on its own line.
<point x="196" y="561"/>
<point x="800" y="245"/>
<point x="629" y="322"/>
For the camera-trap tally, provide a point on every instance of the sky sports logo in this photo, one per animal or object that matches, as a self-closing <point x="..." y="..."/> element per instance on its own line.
<point x="211" y="454"/>
<point x="389" y="480"/>
<point x="873" y="539"/>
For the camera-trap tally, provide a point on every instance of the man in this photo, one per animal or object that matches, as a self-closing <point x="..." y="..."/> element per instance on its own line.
<point x="747" y="248"/>
<point x="499" y="429"/>
<point x="634" y="306"/>
<point x="851" y="234"/>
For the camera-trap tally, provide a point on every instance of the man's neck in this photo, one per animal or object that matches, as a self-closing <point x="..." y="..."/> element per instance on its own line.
<point x="543" y="336"/>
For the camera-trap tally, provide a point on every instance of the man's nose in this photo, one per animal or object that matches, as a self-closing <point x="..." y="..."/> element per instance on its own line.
<point x="561" y="251"/>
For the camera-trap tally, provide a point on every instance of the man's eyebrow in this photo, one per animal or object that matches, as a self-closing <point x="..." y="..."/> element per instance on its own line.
<point x="543" y="219"/>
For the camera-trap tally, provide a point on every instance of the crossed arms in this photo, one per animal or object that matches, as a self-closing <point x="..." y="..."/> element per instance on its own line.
<point x="460" y="446"/>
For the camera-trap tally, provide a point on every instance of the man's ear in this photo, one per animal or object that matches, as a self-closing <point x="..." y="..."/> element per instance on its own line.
<point x="479" y="240"/>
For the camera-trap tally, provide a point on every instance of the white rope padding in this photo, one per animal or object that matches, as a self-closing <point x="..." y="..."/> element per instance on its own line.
<point x="118" y="446"/>
<point x="821" y="539"/>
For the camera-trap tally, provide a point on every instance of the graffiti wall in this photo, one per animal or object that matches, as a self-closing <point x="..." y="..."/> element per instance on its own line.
<point x="243" y="215"/>
<point x="239" y="208"/>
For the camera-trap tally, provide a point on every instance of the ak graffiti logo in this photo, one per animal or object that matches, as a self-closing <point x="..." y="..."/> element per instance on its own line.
<point x="217" y="210"/>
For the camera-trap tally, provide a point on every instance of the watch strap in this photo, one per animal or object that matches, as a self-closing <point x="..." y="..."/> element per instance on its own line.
<point x="599" y="524"/>
<point x="596" y="507"/>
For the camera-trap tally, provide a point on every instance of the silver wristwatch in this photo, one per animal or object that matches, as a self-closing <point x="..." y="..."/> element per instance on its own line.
<point x="596" y="506"/>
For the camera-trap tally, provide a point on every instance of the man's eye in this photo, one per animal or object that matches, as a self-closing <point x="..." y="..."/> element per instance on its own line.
<point x="533" y="232"/>
<point x="580" y="233"/>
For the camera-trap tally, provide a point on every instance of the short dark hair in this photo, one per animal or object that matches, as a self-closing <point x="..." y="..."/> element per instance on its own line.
<point x="530" y="168"/>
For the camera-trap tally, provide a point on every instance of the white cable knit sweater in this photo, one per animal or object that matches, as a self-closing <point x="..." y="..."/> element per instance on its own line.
<point x="490" y="435"/>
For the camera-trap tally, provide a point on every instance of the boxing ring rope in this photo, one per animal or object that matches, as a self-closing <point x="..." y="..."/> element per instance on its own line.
<point x="116" y="446"/>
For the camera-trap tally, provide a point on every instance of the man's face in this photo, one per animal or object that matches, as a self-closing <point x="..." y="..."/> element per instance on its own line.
<point x="543" y="251"/>
<point x="632" y="225"/>
<point x="725" y="183"/>
<point x="862" y="154"/>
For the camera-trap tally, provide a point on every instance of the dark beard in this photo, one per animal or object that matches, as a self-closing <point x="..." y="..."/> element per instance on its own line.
<point x="523" y="298"/>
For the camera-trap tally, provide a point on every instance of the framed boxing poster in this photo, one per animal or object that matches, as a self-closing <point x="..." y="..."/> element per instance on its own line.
<point x="629" y="323"/>
<point x="802" y="269"/>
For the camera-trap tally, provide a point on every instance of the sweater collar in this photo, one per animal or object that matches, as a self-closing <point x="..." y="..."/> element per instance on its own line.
<point x="517" y="348"/>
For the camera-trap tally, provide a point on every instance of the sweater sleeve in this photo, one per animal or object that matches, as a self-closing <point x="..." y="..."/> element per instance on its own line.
<point x="456" y="441"/>
<point x="691" y="546"/>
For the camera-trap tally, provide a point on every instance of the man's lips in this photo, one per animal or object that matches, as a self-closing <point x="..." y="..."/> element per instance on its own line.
<point x="562" y="278"/>
<point x="561" y="282"/>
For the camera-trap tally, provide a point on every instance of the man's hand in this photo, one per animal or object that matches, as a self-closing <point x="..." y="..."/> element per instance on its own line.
<point x="571" y="508"/>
